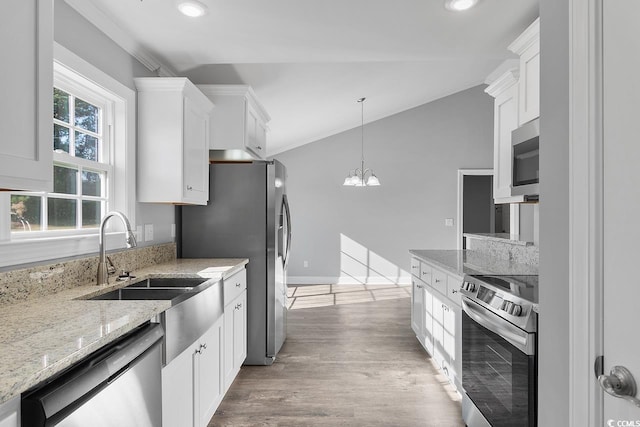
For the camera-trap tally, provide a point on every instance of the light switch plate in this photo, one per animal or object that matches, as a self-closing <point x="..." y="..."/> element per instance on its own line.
<point x="448" y="222"/>
<point x="148" y="232"/>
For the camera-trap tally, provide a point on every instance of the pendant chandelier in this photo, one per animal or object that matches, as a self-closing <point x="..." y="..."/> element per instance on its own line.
<point x="358" y="177"/>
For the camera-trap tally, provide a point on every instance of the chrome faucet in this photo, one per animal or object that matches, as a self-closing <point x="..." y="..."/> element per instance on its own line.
<point x="103" y="268"/>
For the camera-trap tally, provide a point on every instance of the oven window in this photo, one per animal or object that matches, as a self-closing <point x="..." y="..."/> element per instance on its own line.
<point x="497" y="377"/>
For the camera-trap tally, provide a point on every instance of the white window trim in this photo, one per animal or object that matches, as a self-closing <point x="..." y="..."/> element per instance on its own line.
<point x="23" y="250"/>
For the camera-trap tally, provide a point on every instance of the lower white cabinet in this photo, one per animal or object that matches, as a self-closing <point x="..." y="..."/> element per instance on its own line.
<point x="436" y="317"/>
<point x="235" y="325"/>
<point x="235" y="337"/>
<point x="10" y="413"/>
<point x="192" y="384"/>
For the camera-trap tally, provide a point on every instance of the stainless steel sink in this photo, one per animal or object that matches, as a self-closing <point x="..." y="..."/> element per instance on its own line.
<point x="130" y="293"/>
<point x="196" y="304"/>
<point x="169" y="282"/>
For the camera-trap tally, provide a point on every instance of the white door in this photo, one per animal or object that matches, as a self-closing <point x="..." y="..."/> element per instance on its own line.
<point x="621" y="157"/>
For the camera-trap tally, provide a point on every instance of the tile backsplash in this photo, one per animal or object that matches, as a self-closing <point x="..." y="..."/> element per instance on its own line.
<point x="21" y="284"/>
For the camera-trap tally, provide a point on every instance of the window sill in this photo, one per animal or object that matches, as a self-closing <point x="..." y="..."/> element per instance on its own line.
<point x="21" y="251"/>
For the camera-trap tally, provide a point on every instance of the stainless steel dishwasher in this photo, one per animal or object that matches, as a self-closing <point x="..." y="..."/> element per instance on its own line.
<point x="119" y="385"/>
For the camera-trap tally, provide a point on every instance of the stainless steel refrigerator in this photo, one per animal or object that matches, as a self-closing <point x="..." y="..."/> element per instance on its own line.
<point x="247" y="216"/>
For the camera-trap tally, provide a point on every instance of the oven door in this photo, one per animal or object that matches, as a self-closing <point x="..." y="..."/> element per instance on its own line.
<point x="499" y="367"/>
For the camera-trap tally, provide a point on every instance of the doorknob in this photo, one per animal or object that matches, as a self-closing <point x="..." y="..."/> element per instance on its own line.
<point x="620" y="383"/>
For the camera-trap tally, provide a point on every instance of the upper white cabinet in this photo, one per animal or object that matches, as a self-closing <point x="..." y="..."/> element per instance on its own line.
<point x="174" y="125"/>
<point x="26" y="120"/>
<point x="505" y="119"/>
<point x="239" y="125"/>
<point x="527" y="46"/>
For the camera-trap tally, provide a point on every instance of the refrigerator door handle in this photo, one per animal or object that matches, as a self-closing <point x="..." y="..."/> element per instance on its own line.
<point x="287" y="213"/>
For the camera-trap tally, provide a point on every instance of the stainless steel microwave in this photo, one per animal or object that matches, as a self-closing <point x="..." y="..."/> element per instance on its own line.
<point x="525" y="159"/>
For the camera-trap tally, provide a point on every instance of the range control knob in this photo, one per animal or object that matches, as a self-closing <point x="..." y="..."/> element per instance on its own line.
<point x="511" y="308"/>
<point x="469" y="287"/>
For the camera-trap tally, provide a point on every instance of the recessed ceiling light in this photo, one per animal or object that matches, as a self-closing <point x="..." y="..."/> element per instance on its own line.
<point x="459" y="5"/>
<point x="192" y="8"/>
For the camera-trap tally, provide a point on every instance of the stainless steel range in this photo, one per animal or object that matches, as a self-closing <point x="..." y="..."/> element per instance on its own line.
<point x="499" y="350"/>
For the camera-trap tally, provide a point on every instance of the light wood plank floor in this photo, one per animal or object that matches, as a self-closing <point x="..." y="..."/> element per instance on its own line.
<point x="350" y="359"/>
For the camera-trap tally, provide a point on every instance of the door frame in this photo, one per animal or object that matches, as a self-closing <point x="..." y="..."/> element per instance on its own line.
<point x="585" y="210"/>
<point x="460" y="208"/>
<point x="514" y="209"/>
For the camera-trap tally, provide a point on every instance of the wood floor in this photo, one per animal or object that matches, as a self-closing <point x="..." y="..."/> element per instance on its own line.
<point x="350" y="359"/>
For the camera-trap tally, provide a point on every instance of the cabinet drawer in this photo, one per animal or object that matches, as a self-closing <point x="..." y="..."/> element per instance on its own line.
<point x="415" y="267"/>
<point x="426" y="273"/>
<point x="453" y="289"/>
<point x="234" y="285"/>
<point x="439" y="281"/>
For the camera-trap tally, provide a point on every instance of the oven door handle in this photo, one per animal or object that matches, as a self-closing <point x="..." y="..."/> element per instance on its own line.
<point x="516" y="337"/>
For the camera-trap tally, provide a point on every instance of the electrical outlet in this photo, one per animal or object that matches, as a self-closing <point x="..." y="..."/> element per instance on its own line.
<point x="148" y="232"/>
<point x="305" y="264"/>
<point x="173" y="231"/>
<point x="448" y="222"/>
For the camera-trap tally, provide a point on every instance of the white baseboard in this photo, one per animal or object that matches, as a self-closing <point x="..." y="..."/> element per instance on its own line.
<point x="348" y="280"/>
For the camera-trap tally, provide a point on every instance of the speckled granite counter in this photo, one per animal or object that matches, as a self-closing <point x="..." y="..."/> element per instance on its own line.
<point x="472" y="262"/>
<point x="42" y="336"/>
<point x="499" y="237"/>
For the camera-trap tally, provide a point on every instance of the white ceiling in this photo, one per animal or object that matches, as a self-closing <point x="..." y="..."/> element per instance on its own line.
<point x="309" y="61"/>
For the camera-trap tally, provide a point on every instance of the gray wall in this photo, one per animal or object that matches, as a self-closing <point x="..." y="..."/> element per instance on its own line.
<point x="416" y="155"/>
<point x="81" y="37"/>
<point x="554" y="214"/>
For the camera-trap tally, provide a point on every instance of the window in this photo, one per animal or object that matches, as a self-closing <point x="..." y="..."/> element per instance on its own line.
<point x="93" y="139"/>
<point x="81" y="171"/>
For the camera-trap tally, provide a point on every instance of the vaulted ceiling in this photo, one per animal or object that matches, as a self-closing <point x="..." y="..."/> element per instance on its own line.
<point x="309" y="61"/>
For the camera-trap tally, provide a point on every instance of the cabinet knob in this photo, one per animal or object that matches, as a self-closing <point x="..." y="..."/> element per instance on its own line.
<point x="189" y="188"/>
<point x="438" y="280"/>
<point x="237" y="285"/>
<point x="203" y="346"/>
<point x="259" y="147"/>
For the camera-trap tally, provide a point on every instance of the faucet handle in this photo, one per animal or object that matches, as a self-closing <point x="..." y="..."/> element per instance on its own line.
<point x="111" y="269"/>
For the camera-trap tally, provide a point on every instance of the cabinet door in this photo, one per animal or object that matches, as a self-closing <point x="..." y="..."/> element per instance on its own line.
<point x="240" y="331"/>
<point x="207" y="374"/>
<point x="26" y="146"/>
<point x="438" y="329"/>
<point x="448" y="341"/>
<point x="417" y="308"/>
<point x="428" y="320"/>
<point x="195" y="155"/>
<point x="10" y="413"/>
<point x="178" y="390"/>
<point x="228" y="372"/>
<point x="255" y="132"/>
<point x="529" y="96"/>
<point x="505" y="121"/>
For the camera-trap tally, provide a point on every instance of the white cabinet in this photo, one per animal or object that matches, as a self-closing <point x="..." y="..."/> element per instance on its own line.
<point x="10" y="413"/>
<point x="417" y="308"/>
<point x="505" y="119"/>
<point x="26" y="120"/>
<point x="527" y="47"/>
<point x="239" y="125"/>
<point x="192" y="383"/>
<point x="208" y="383"/>
<point x="174" y="124"/>
<point x="436" y="317"/>
<point x="235" y="326"/>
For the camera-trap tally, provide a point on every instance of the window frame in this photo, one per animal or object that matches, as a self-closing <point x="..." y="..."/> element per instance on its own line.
<point x="73" y="73"/>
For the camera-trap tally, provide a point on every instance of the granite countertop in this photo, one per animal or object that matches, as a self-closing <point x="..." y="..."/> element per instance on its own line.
<point x="463" y="262"/>
<point x="45" y="335"/>
<point x="500" y="237"/>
